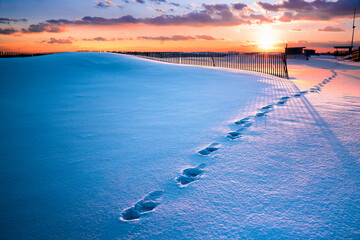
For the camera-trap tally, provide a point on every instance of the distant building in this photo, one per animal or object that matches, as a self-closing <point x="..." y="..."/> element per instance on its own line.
<point x="294" y="50"/>
<point x="309" y="52"/>
<point x="295" y="53"/>
<point x="342" y="50"/>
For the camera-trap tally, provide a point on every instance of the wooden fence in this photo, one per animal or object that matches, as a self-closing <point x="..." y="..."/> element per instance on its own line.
<point x="270" y="63"/>
<point x="8" y="54"/>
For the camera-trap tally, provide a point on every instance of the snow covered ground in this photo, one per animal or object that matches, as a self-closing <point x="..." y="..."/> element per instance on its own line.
<point x="104" y="146"/>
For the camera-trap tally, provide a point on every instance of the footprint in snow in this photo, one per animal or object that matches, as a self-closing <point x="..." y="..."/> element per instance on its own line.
<point x="285" y="98"/>
<point x="189" y="175"/>
<point x="243" y="127"/>
<point x="146" y="205"/>
<point x="281" y="102"/>
<point x="261" y="114"/>
<point x="238" y="133"/>
<point x="211" y="148"/>
<point x="297" y="95"/>
<point x="315" y="89"/>
<point x="242" y="121"/>
<point x="268" y="107"/>
<point x="233" y="135"/>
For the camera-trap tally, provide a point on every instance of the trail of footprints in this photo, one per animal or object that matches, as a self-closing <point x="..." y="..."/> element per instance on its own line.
<point x="246" y="122"/>
<point x="189" y="175"/>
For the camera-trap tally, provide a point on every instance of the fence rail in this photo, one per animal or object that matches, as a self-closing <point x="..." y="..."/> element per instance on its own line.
<point x="270" y="63"/>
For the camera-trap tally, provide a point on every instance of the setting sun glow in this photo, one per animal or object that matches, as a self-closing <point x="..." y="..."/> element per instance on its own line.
<point x="266" y="37"/>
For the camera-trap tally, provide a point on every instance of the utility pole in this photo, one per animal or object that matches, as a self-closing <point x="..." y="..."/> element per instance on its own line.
<point x="352" y="39"/>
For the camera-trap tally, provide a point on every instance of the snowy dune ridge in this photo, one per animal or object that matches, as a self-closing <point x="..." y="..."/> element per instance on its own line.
<point x="177" y="152"/>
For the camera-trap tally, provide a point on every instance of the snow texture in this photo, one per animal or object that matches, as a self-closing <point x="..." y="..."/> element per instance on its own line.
<point x="105" y="146"/>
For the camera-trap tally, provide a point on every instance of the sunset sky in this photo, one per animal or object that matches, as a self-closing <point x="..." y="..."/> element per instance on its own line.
<point x="173" y="25"/>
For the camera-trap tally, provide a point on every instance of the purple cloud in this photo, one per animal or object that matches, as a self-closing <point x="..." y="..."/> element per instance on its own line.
<point x="10" y="20"/>
<point x="296" y="30"/>
<point x="239" y="6"/>
<point x="7" y="31"/>
<point x="211" y="14"/>
<point x="314" y="10"/>
<point x="331" y="29"/>
<point x="174" y="4"/>
<point x="106" y="4"/>
<point x="99" y="39"/>
<point x="158" y="1"/>
<point x="58" y="41"/>
<point x="179" y="38"/>
<point x="158" y="10"/>
<point x="260" y="18"/>
<point x="208" y="15"/>
<point x="330" y="44"/>
<point x="215" y="7"/>
<point x="42" y="27"/>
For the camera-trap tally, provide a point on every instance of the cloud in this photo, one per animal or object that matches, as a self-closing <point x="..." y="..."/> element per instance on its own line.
<point x="7" y="31"/>
<point x="302" y="41"/>
<point x="211" y="14"/>
<point x="96" y="21"/>
<point x="99" y="39"/>
<point x="157" y="9"/>
<point x="158" y="1"/>
<point x="286" y="17"/>
<point x="43" y="27"/>
<point x="207" y="15"/>
<point x="331" y="29"/>
<point x="174" y="4"/>
<point x="59" y="41"/>
<point x="10" y="20"/>
<point x="324" y="45"/>
<point x="179" y="38"/>
<point x="239" y="6"/>
<point x="314" y="10"/>
<point x="260" y="18"/>
<point x="296" y="30"/>
<point x="215" y="7"/>
<point x="106" y="4"/>
<point x="330" y="44"/>
<point x="207" y="37"/>
<point x="153" y="1"/>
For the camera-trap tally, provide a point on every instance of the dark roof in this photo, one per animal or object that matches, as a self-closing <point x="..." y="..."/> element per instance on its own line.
<point x="294" y="47"/>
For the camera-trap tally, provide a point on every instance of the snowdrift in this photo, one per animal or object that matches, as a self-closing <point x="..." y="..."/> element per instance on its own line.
<point x="97" y="145"/>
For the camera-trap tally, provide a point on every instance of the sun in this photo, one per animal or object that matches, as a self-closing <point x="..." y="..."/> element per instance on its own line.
<point x="266" y="37"/>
